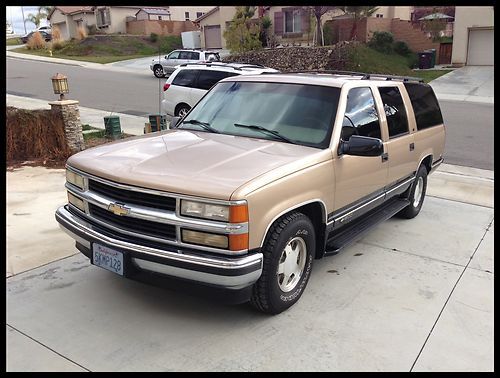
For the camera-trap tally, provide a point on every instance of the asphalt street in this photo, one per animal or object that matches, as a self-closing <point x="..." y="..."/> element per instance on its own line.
<point x="468" y="125"/>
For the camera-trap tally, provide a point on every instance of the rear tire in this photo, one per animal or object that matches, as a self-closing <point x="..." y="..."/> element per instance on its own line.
<point x="182" y="110"/>
<point x="158" y="71"/>
<point x="288" y="256"/>
<point x="416" y="196"/>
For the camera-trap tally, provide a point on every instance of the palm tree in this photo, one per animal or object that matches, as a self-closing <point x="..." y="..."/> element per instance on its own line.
<point x="37" y="18"/>
<point x="358" y="12"/>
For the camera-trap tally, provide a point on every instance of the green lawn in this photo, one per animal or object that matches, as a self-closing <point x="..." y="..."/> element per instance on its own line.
<point x="14" y="41"/>
<point x="365" y="59"/>
<point x="109" y="48"/>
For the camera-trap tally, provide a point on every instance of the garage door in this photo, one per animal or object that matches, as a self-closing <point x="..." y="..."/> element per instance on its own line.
<point x="480" y="51"/>
<point x="63" y="29"/>
<point x="212" y="37"/>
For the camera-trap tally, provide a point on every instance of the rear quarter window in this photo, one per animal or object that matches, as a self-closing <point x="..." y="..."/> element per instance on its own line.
<point x="185" y="78"/>
<point x="425" y="105"/>
<point x="208" y="79"/>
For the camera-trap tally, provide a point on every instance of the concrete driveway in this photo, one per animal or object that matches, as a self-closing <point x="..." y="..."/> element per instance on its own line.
<point x="469" y="83"/>
<point x="411" y="295"/>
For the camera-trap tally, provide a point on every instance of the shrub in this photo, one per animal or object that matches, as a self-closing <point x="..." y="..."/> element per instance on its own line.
<point x="412" y="59"/>
<point x="402" y="48"/>
<point x="56" y="34"/>
<point x="382" y="41"/>
<point x="35" y="42"/>
<point x="153" y="37"/>
<point x="82" y="33"/>
<point x="328" y="35"/>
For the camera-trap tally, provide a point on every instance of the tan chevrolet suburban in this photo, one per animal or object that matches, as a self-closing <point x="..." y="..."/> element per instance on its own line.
<point x="265" y="174"/>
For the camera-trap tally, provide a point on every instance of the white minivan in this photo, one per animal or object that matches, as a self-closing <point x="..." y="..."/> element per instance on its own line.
<point x="189" y="83"/>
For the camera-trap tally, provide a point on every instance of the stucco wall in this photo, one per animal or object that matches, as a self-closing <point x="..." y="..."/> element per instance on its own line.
<point x="465" y="18"/>
<point x="118" y="19"/>
<point x="178" y="12"/>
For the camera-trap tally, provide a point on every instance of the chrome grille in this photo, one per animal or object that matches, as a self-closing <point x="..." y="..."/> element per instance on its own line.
<point x="131" y="197"/>
<point x="139" y="226"/>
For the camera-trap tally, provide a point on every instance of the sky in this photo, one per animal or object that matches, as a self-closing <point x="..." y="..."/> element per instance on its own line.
<point x="15" y="18"/>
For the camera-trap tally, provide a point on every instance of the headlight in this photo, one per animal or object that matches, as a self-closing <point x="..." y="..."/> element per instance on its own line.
<point x="205" y="210"/>
<point x="74" y="178"/>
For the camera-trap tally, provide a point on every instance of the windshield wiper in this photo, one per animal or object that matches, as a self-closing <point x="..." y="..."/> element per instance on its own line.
<point x="260" y="128"/>
<point x="204" y="125"/>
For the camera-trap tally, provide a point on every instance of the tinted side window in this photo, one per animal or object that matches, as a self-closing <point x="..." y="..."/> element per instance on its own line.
<point x="185" y="78"/>
<point x="184" y="55"/>
<point x="194" y="55"/>
<point x="207" y="78"/>
<point x="425" y="105"/>
<point x="361" y="117"/>
<point x="395" y="111"/>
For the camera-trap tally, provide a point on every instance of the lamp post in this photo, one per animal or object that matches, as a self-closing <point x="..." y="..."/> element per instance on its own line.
<point x="60" y="85"/>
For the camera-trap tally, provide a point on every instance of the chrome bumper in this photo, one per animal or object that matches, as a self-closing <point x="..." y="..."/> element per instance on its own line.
<point x="230" y="273"/>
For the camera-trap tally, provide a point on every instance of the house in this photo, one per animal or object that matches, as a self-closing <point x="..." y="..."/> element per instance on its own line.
<point x="153" y="14"/>
<point x="473" y="36"/>
<point x="188" y="13"/>
<point x="108" y="19"/>
<point x="290" y="25"/>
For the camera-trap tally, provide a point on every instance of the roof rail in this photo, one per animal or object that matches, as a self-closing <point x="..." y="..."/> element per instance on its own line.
<point x="210" y="64"/>
<point x="364" y="75"/>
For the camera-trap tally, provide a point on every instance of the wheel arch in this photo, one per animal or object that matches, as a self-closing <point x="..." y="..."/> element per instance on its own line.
<point x="179" y="105"/>
<point x="315" y="210"/>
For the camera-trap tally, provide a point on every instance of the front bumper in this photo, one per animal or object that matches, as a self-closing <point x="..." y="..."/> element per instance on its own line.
<point x="225" y="272"/>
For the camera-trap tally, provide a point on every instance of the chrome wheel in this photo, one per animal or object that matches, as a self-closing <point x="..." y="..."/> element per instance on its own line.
<point x="158" y="71"/>
<point x="419" y="189"/>
<point x="291" y="264"/>
<point x="183" y="112"/>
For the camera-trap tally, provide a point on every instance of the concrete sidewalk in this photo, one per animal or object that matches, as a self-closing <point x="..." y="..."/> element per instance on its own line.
<point x="469" y="83"/>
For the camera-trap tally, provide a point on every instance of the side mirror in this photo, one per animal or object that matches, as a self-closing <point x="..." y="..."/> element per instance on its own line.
<point x="362" y="146"/>
<point x="174" y="122"/>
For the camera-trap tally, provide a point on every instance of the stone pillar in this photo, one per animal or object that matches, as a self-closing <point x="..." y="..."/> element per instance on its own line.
<point x="70" y="114"/>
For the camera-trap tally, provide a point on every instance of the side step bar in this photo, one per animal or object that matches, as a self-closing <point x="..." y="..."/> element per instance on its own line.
<point x="352" y="232"/>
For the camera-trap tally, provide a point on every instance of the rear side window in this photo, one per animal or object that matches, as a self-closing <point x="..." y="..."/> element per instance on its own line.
<point x="207" y="78"/>
<point x="395" y="111"/>
<point x="194" y="56"/>
<point x="425" y="105"/>
<point x="185" y="78"/>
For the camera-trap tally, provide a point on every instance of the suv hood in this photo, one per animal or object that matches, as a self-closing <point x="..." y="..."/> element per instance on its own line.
<point x="195" y="163"/>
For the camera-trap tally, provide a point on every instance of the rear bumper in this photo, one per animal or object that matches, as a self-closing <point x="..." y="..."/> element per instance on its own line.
<point x="224" y="272"/>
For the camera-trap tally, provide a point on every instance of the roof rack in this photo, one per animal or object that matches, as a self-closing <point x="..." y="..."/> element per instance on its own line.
<point x="364" y="75"/>
<point x="210" y="64"/>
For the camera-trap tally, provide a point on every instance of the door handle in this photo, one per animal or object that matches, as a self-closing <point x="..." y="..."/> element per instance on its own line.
<point x="412" y="146"/>
<point x="385" y="157"/>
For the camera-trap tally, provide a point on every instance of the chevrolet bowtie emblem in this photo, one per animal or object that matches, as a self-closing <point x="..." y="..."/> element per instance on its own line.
<point x="119" y="209"/>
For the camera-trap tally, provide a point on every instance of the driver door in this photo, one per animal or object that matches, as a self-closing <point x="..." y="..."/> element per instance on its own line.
<point x="359" y="180"/>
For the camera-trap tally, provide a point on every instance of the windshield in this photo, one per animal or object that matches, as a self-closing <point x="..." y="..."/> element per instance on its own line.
<point x="295" y="113"/>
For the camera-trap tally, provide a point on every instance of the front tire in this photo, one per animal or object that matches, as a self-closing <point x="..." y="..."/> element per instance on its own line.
<point x="182" y="110"/>
<point x="416" y="195"/>
<point x="288" y="256"/>
<point x="158" y="71"/>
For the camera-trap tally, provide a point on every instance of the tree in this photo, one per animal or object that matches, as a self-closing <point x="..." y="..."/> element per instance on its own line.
<point x="317" y="12"/>
<point x="243" y="34"/>
<point x="358" y="12"/>
<point x="41" y="14"/>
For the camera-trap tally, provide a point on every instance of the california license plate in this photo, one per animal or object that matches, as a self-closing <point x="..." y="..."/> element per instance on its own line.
<point x="108" y="258"/>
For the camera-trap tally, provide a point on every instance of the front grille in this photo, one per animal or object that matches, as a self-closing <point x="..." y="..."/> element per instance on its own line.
<point x="131" y="197"/>
<point x="139" y="226"/>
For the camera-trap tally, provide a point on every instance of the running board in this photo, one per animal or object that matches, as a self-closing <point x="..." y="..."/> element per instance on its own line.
<point x="358" y="228"/>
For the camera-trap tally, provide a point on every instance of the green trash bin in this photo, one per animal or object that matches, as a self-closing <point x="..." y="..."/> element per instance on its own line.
<point x="112" y="127"/>
<point x="154" y="119"/>
<point x="433" y="57"/>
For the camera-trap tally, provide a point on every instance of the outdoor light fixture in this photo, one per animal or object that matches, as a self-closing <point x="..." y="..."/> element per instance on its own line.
<point x="60" y="85"/>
